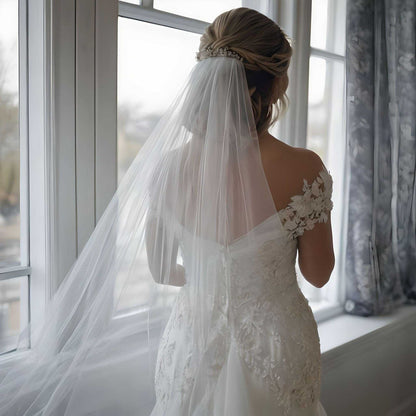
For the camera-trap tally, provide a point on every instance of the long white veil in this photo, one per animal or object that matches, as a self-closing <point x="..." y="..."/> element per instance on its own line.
<point x="195" y="193"/>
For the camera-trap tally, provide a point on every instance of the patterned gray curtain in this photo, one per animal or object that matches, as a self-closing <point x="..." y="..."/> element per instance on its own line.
<point x="381" y="122"/>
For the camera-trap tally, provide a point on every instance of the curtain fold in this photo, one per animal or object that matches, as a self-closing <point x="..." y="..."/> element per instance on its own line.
<point x="381" y="109"/>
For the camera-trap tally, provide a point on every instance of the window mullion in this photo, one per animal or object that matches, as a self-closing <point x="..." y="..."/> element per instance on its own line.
<point x="159" y="17"/>
<point x="38" y="93"/>
<point x="13" y="272"/>
<point x="326" y="54"/>
<point x="105" y="104"/>
<point x="147" y="3"/>
<point x="23" y="136"/>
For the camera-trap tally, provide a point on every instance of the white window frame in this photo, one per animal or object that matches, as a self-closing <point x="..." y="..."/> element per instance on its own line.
<point x="34" y="121"/>
<point x="23" y="270"/>
<point x="68" y="121"/>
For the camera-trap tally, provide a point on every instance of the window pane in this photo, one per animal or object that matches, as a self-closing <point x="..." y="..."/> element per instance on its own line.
<point x="206" y="10"/>
<point x="326" y="104"/>
<point x="328" y="25"/>
<point x="317" y="77"/>
<point x="326" y="137"/>
<point x="9" y="135"/>
<point x="153" y="63"/>
<point x="13" y="312"/>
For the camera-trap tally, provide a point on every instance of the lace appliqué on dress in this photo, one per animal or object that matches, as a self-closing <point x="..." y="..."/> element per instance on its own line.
<point x="273" y="323"/>
<point x="310" y="207"/>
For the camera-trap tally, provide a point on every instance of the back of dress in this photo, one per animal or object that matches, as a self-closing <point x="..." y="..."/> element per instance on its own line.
<point x="262" y="356"/>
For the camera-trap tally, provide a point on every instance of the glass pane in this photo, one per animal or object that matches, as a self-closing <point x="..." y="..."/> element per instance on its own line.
<point x="317" y="77"/>
<point x="205" y="10"/>
<point x="326" y="104"/>
<point x="319" y="23"/>
<point x="326" y="137"/>
<point x="9" y="135"/>
<point x="13" y="312"/>
<point x="133" y="1"/>
<point x="153" y="63"/>
<point x="328" y="25"/>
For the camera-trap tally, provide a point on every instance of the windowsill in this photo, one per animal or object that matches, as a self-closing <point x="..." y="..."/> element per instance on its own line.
<point x="324" y="310"/>
<point x="339" y="335"/>
<point x="343" y="333"/>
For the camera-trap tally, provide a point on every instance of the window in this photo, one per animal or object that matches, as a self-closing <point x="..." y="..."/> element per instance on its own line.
<point x="14" y="262"/>
<point x="326" y="122"/>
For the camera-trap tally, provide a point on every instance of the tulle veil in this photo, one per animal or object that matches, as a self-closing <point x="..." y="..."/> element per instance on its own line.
<point x="195" y="192"/>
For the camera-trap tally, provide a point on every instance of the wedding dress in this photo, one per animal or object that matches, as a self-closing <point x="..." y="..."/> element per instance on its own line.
<point x="263" y="355"/>
<point x="184" y="301"/>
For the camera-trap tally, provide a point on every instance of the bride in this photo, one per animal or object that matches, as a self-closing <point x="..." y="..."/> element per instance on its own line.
<point x="206" y="225"/>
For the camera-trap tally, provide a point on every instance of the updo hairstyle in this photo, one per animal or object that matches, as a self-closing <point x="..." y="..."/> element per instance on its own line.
<point x="266" y="52"/>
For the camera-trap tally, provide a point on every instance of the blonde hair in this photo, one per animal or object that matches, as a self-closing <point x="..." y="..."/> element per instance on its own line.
<point x="266" y="56"/>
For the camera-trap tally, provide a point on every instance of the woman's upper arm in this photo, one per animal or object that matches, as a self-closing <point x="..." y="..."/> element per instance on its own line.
<point x="315" y="245"/>
<point x="316" y="253"/>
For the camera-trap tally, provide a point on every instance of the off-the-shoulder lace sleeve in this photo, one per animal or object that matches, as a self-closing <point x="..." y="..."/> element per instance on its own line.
<point x="310" y="207"/>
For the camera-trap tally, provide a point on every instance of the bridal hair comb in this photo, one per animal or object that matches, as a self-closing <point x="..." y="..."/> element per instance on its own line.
<point x="223" y="51"/>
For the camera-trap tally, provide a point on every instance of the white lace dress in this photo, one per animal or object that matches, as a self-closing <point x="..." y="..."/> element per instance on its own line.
<point x="264" y="354"/>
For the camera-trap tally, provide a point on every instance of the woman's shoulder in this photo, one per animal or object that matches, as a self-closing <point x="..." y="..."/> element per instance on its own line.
<point x="288" y="167"/>
<point x="296" y="161"/>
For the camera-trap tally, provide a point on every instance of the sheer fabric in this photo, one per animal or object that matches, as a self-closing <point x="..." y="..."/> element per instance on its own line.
<point x="219" y="325"/>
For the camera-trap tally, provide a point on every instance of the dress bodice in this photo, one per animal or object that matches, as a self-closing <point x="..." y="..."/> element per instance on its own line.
<point x="273" y="242"/>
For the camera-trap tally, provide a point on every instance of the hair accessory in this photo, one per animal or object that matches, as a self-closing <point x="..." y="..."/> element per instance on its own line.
<point x="210" y="52"/>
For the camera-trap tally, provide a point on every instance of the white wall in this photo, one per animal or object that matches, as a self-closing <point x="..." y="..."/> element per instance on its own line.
<point x="374" y="375"/>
